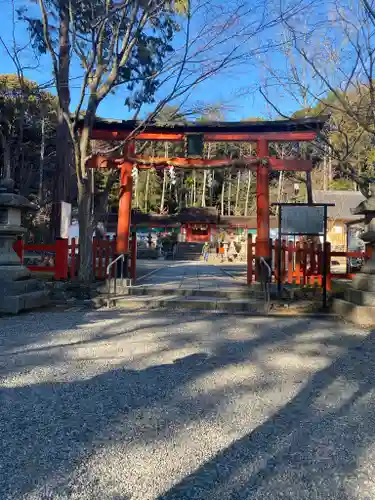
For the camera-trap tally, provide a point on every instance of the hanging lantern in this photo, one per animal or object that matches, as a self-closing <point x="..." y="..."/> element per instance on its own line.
<point x="135" y="172"/>
<point x="209" y="179"/>
<point x="172" y="175"/>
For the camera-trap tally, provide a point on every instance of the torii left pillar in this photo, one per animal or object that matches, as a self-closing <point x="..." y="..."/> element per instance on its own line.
<point x="263" y="204"/>
<point x="124" y="210"/>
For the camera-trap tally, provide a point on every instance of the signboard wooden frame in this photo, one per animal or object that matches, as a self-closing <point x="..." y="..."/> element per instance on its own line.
<point x="305" y="229"/>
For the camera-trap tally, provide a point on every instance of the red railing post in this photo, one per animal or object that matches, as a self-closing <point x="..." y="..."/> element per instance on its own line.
<point x="298" y="263"/>
<point x="62" y="259"/>
<point x="249" y="278"/>
<point x="290" y="262"/>
<point x="133" y="257"/>
<point x="328" y="266"/>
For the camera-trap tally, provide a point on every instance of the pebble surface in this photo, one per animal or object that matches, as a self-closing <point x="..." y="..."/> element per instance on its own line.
<point x="116" y="405"/>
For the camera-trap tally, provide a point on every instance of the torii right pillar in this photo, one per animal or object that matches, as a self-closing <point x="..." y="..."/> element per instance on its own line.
<point x="263" y="204"/>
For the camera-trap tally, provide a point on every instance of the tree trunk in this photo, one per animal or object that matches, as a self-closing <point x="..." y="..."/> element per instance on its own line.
<point x="229" y="192"/>
<point x="237" y="191"/>
<point x="147" y="190"/>
<point x="6" y="171"/>
<point x="222" y="196"/>
<point x="194" y="187"/>
<point x="85" y="231"/>
<point x="162" y="202"/>
<point x="61" y="186"/>
<point x="330" y="173"/>
<point x="203" y="202"/>
<point x="325" y="174"/>
<point x="248" y="192"/>
<point x="41" y="160"/>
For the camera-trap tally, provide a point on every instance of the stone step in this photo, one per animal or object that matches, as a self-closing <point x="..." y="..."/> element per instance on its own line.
<point x="359" y="315"/>
<point x="364" y="281"/>
<point x="234" y="293"/>
<point x="360" y="297"/>
<point x="23" y="286"/>
<point x="31" y="300"/>
<point x="174" y="302"/>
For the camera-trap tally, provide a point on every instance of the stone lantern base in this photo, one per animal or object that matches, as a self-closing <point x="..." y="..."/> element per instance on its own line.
<point x="19" y="291"/>
<point x="359" y="304"/>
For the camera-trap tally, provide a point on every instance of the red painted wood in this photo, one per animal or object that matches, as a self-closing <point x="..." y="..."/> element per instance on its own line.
<point x="249" y="259"/>
<point x="62" y="259"/>
<point x="283" y="258"/>
<point x="124" y="212"/>
<point x="312" y="262"/>
<point x="290" y="262"/>
<point x="319" y="270"/>
<point x="291" y="165"/>
<point x="303" y="262"/>
<point x="255" y="137"/>
<point x="41" y="248"/>
<point x="329" y="276"/>
<point x="263" y="204"/>
<point x="118" y="135"/>
<point x="18" y="247"/>
<point x="298" y="263"/>
<point x="43" y="269"/>
<point x="101" y="248"/>
<point x="107" y="254"/>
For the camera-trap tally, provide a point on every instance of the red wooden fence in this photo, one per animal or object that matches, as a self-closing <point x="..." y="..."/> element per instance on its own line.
<point x="62" y="258"/>
<point x="301" y="263"/>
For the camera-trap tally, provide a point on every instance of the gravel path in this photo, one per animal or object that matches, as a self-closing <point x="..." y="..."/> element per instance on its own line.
<point x="143" y="406"/>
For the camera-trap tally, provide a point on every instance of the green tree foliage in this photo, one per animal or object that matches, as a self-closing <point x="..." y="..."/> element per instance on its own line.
<point x="23" y="109"/>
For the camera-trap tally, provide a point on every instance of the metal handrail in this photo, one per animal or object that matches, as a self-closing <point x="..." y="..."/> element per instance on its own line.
<point x="119" y="257"/>
<point x="266" y="283"/>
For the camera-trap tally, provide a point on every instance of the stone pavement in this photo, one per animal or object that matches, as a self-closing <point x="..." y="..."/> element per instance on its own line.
<point x="191" y="276"/>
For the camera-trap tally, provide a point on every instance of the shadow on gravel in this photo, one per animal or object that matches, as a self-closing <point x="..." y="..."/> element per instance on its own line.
<point x="47" y="429"/>
<point x="308" y="449"/>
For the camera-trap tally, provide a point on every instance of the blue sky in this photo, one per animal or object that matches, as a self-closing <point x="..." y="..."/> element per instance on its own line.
<point x="236" y="89"/>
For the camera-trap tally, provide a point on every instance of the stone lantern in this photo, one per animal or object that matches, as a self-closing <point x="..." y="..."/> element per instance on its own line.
<point x="359" y="303"/>
<point x="18" y="290"/>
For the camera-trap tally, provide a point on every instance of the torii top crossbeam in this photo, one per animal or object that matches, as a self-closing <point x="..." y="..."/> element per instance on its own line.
<point x="260" y="132"/>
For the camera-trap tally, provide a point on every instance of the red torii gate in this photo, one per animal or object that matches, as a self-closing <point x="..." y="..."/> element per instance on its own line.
<point x="262" y="133"/>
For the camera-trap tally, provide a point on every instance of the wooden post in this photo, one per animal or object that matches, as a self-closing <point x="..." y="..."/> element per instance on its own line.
<point x="319" y="252"/>
<point x="303" y="262"/>
<point x="290" y="262"/>
<point x="328" y="266"/>
<point x="249" y="259"/>
<point x="283" y="255"/>
<point x="312" y="263"/>
<point x="61" y="259"/>
<point x="263" y="204"/>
